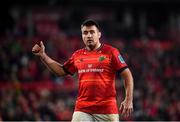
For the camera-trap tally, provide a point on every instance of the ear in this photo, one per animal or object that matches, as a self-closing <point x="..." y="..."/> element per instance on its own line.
<point x="99" y="34"/>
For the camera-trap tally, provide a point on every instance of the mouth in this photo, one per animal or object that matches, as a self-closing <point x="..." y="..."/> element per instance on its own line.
<point x="89" y="41"/>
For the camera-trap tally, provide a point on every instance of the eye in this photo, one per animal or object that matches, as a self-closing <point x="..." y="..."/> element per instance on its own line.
<point x="85" y="32"/>
<point x="92" y="31"/>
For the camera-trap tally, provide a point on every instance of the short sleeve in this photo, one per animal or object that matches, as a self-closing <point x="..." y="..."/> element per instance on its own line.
<point x="69" y="66"/>
<point x="118" y="63"/>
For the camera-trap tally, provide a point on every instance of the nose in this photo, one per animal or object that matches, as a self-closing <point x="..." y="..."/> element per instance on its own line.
<point x="89" y="35"/>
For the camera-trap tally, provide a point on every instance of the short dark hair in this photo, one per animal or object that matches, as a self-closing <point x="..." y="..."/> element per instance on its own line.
<point x="90" y="22"/>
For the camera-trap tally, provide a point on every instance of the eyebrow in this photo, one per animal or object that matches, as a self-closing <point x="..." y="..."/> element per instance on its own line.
<point x="89" y="31"/>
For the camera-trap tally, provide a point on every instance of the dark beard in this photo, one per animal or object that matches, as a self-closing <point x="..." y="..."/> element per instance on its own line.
<point x="91" y="47"/>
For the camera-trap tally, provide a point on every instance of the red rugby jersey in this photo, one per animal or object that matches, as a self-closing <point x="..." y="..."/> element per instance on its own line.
<point x="96" y="72"/>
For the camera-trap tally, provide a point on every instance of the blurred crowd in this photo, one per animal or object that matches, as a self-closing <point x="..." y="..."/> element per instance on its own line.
<point x="29" y="91"/>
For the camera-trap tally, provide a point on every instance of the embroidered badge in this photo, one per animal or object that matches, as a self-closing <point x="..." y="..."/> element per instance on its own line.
<point x="101" y="58"/>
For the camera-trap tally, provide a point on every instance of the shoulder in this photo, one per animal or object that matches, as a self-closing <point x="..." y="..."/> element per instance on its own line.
<point x="79" y="51"/>
<point x="110" y="48"/>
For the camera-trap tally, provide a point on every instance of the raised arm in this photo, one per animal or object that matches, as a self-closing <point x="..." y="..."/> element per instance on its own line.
<point x="51" y="64"/>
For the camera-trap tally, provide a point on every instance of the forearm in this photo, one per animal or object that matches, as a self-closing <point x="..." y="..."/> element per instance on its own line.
<point x="128" y="84"/>
<point x="52" y="65"/>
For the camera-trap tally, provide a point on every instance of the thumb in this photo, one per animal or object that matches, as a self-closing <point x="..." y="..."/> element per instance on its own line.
<point x="41" y="44"/>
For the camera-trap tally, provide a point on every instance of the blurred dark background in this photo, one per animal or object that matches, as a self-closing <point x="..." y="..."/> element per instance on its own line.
<point x="147" y="32"/>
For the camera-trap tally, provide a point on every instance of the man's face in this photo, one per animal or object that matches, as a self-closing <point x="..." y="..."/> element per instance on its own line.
<point x="90" y="36"/>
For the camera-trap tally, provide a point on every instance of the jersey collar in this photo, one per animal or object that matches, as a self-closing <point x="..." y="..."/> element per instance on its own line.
<point x="99" y="48"/>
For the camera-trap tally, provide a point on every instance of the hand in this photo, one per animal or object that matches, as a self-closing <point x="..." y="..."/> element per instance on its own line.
<point x="38" y="50"/>
<point x="126" y="108"/>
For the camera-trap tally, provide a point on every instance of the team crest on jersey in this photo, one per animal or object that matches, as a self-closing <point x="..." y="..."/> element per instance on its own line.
<point x="102" y="58"/>
<point x="121" y="59"/>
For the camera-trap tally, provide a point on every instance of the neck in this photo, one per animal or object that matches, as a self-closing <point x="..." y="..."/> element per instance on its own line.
<point x="90" y="48"/>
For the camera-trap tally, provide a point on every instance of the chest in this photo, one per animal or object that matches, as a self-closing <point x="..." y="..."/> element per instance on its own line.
<point x="93" y="61"/>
